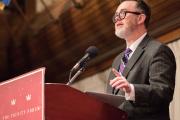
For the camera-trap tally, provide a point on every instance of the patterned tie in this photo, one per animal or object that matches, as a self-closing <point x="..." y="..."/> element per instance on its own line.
<point x="125" y="59"/>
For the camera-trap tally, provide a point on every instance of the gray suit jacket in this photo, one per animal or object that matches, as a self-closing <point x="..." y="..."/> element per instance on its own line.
<point x="151" y="69"/>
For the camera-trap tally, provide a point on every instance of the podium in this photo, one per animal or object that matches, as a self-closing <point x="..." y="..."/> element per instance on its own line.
<point x="63" y="102"/>
<point x="27" y="97"/>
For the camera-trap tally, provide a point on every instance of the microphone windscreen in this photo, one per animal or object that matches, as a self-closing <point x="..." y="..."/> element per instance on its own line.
<point x="92" y="51"/>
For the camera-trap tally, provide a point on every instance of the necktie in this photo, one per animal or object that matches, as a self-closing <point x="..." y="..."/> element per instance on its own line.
<point x="124" y="59"/>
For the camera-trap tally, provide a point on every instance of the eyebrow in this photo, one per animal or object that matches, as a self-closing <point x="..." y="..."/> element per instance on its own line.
<point x="123" y="10"/>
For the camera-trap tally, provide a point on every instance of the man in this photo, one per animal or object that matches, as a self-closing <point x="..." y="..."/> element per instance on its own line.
<point x="145" y="72"/>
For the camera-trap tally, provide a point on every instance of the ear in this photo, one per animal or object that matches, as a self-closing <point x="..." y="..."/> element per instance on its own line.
<point x="141" y="18"/>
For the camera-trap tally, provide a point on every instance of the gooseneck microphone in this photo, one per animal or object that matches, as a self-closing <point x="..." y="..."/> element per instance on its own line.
<point x="90" y="53"/>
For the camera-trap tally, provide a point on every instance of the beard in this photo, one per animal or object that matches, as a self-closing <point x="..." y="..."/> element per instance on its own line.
<point x="125" y="31"/>
<point x="121" y="33"/>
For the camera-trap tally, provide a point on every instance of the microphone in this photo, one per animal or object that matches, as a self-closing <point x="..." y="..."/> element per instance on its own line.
<point x="91" y="52"/>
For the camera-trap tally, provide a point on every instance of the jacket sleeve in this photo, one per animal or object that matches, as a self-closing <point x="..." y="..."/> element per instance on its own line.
<point x="162" y="69"/>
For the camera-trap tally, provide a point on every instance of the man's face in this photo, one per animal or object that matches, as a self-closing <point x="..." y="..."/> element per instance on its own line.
<point x="125" y="27"/>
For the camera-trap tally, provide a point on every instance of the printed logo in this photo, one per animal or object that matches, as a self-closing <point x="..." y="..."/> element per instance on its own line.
<point x="13" y="102"/>
<point x="28" y="97"/>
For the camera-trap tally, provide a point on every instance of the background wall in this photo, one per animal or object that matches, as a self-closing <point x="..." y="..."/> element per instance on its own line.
<point x="175" y="104"/>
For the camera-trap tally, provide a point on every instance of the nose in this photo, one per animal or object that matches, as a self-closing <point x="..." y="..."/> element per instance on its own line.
<point x="116" y="18"/>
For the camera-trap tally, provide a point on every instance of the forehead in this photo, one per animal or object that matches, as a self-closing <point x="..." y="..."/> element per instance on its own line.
<point x="127" y="5"/>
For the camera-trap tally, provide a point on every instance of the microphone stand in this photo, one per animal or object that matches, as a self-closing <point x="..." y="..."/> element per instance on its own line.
<point x="75" y="76"/>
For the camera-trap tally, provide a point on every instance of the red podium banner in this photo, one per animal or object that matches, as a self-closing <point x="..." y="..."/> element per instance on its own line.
<point x="22" y="98"/>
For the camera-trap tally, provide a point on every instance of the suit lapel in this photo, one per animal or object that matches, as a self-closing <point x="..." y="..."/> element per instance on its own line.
<point x="136" y="55"/>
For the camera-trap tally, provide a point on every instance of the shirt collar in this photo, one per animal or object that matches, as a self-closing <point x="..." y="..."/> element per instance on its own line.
<point x="137" y="42"/>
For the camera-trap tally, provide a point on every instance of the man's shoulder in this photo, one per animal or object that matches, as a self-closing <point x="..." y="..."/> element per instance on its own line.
<point x="155" y="44"/>
<point x="156" y="47"/>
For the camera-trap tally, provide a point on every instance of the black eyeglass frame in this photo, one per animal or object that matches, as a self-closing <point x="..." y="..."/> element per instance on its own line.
<point x="121" y="15"/>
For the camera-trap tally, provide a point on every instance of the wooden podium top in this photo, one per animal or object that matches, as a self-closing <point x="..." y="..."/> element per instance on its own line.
<point x="65" y="103"/>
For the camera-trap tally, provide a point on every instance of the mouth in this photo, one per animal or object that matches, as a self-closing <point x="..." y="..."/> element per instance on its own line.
<point x="118" y="24"/>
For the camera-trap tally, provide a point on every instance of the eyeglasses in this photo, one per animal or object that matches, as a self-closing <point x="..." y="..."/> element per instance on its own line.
<point x="121" y="15"/>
